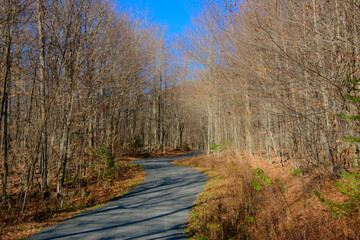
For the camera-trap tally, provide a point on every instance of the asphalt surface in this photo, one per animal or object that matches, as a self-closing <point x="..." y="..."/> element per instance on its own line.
<point x="156" y="209"/>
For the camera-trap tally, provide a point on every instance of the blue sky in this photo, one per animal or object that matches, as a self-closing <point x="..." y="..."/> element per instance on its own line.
<point x="173" y="13"/>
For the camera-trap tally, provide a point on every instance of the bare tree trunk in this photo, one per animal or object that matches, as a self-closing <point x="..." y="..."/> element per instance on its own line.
<point x="248" y="137"/>
<point x="324" y="92"/>
<point x="5" y="101"/>
<point x="44" y="154"/>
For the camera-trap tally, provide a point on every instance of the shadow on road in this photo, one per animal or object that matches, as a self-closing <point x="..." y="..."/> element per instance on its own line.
<point x="156" y="209"/>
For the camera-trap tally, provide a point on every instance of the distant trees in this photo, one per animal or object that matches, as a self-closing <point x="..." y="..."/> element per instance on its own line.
<point x="277" y="75"/>
<point x="272" y="77"/>
<point x="77" y="76"/>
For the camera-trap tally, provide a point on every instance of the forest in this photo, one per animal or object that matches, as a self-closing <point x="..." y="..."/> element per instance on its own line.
<point x="82" y="83"/>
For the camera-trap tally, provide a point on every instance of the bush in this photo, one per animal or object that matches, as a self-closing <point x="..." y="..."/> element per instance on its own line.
<point x="349" y="186"/>
<point x="218" y="148"/>
<point x="137" y="143"/>
<point x="105" y="162"/>
<point x="185" y="148"/>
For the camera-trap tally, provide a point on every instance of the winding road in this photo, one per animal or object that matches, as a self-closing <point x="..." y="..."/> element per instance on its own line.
<point x="156" y="209"/>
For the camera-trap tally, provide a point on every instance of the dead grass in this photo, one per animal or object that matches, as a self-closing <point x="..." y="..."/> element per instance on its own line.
<point x="230" y="208"/>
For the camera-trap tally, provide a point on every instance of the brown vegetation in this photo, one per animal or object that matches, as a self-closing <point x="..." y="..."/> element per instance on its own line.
<point x="82" y="84"/>
<point x="280" y="76"/>
<point x="287" y="208"/>
<point x="278" y="81"/>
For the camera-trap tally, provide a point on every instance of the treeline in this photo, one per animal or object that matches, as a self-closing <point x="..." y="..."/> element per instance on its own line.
<point x="273" y="77"/>
<point x="280" y="78"/>
<point x="79" y="78"/>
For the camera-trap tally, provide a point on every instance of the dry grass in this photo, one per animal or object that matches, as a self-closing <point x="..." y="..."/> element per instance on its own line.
<point x="230" y="208"/>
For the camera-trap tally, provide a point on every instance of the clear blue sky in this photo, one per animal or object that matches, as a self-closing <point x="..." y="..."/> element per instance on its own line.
<point x="173" y="13"/>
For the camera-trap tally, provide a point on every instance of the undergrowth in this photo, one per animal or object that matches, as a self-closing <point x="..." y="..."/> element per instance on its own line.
<point x="349" y="186"/>
<point x="244" y="201"/>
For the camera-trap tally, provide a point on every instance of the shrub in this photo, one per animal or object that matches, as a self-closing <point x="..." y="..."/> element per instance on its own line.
<point x="185" y="147"/>
<point x="105" y="162"/>
<point x="218" y="148"/>
<point x="349" y="186"/>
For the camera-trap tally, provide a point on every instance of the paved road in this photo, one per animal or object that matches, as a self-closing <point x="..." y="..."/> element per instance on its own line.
<point x="156" y="209"/>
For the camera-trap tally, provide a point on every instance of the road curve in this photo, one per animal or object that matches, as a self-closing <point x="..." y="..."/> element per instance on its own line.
<point x="156" y="209"/>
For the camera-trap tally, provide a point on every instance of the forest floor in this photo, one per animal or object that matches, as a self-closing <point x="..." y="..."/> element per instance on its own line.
<point x="42" y="212"/>
<point x="247" y="198"/>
